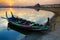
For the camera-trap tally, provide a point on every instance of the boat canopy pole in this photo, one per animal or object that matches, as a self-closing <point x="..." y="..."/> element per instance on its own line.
<point x="48" y="20"/>
<point x="12" y="14"/>
<point x="6" y="15"/>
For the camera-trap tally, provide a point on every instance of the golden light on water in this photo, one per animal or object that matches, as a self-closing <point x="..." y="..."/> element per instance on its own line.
<point x="28" y="14"/>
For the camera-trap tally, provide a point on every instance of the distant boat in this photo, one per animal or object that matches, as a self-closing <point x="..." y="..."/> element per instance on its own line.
<point x="27" y="25"/>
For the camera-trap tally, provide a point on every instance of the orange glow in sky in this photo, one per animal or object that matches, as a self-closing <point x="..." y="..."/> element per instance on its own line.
<point x="7" y="2"/>
<point x="28" y="2"/>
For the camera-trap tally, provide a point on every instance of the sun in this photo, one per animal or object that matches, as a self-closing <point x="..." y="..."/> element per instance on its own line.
<point x="7" y="2"/>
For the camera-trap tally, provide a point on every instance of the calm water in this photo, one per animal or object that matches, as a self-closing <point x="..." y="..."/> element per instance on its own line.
<point x="28" y="14"/>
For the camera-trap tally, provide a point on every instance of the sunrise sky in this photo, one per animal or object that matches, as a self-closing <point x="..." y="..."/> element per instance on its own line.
<point x="28" y="2"/>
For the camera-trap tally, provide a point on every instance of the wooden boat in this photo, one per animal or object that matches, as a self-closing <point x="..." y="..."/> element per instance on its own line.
<point x="27" y="25"/>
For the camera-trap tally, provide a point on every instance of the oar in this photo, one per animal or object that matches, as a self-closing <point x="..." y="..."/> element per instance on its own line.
<point x="3" y="17"/>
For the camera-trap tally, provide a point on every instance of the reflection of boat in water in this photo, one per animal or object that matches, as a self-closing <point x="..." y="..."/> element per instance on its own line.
<point x="19" y="23"/>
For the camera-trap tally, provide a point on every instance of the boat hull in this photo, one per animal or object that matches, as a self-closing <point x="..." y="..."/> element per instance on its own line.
<point x="10" y="25"/>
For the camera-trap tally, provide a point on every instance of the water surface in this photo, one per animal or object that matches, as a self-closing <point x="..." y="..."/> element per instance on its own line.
<point x="28" y="14"/>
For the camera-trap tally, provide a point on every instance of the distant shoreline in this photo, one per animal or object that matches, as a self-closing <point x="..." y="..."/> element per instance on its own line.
<point x="37" y="5"/>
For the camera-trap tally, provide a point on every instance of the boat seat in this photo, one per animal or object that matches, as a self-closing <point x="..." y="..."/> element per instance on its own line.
<point x="36" y="25"/>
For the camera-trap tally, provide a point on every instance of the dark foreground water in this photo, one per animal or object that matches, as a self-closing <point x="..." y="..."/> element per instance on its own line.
<point x="8" y="34"/>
